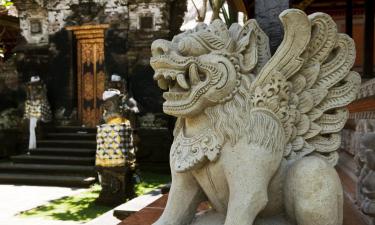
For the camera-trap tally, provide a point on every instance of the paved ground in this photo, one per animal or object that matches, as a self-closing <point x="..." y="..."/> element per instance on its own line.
<point x="15" y="199"/>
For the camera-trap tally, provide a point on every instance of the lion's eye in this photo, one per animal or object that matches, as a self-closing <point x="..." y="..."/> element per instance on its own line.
<point x="191" y="47"/>
<point x="183" y="49"/>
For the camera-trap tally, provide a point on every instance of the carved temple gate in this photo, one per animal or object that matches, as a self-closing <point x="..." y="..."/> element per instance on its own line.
<point x="90" y="72"/>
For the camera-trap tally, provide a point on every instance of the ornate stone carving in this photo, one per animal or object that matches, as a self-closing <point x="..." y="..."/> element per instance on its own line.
<point x="367" y="89"/>
<point x="189" y="152"/>
<point x="86" y="13"/>
<point x="366" y="171"/>
<point x="272" y="122"/>
<point x="34" y="25"/>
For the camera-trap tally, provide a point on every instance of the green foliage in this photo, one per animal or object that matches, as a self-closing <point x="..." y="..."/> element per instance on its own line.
<point x="10" y="119"/>
<point x="6" y="3"/>
<point x="5" y="6"/>
<point x="79" y="207"/>
<point x="82" y="207"/>
<point x="229" y="14"/>
<point x="151" y="181"/>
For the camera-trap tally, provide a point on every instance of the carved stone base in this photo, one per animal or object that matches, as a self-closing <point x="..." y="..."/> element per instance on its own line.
<point x="213" y="218"/>
<point x="149" y="214"/>
<point x="117" y="186"/>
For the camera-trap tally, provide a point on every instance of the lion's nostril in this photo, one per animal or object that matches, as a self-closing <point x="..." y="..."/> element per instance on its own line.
<point x="202" y="77"/>
<point x="159" y="51"/>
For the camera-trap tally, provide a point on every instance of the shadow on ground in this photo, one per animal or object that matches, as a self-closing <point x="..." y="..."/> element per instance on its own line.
<point x="82" y="207"/>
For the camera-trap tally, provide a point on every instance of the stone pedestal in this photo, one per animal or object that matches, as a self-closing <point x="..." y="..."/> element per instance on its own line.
<point x="115" y="163"/>
<point x="117" y="185"/>
<point x="152" y="212"/>
<point x="149" y="214"/>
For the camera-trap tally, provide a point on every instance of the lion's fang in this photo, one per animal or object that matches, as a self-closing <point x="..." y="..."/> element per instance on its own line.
<point x="193" y="72"/>
<point x="182" y="81"/>
<point x="157" y="76"/>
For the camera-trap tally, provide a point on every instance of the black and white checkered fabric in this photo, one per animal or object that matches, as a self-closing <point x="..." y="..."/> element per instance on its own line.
<point x="114" y="145"/>
<point x="39" y="109"/>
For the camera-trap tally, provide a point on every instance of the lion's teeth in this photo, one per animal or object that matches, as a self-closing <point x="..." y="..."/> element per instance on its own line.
<point x="194" y="75"/>
<point x="170" y="75"/>
<point x="163" y="84"/>
<point x="182" y="81"/>
<point x="157" y="76"/>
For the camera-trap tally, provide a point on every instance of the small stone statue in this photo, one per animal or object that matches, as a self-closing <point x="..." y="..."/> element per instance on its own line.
<point x="37" y="107"/>
<point x="115" y="156"/>
<point x="129" y="104"/>
<point x="366" y="179"/>
<point x="256" y="135"/>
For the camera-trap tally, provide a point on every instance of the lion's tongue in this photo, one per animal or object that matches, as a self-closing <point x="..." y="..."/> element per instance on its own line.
<point x="163" y="84"/>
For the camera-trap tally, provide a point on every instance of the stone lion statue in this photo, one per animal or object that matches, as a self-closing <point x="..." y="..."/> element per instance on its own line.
<point x="256" y="136"/>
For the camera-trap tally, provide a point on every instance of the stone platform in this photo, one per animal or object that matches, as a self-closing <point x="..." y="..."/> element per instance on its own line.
<point x="152" y="212"/>
<point x="352" y="215"/>
<point x="149" y="214"/>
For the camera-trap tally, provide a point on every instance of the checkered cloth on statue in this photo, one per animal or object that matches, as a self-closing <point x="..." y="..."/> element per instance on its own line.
<point x="39" y="109"/>
<point x="115" y="145"/>
<point x="37" y="105"/>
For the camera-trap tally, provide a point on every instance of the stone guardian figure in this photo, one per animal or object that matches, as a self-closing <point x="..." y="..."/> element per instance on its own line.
<point x="115" y="156"/>
<point x="37" y="107"/>
<point x="256" y="136"/>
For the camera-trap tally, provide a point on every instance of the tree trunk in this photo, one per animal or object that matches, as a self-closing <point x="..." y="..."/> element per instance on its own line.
<point x="267" y="15"/>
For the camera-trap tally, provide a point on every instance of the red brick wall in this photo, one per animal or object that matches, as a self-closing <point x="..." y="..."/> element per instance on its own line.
<point x="358" y="36"/>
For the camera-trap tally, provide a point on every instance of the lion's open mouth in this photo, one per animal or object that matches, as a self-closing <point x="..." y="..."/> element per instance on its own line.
<point x="178" y="82"/>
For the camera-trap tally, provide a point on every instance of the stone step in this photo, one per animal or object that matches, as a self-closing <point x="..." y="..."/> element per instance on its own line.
<point x="70" y="136"/>
<point x="71" y="129"/>
<point x="48" y="180"/>
<point x="61" y="160"/>
<point x="64" y="151"/>
<point x="65" y="157"/>
<point x="26" y="168"/>
<point x="67" y="143"/>
<point x="121" y="212"/>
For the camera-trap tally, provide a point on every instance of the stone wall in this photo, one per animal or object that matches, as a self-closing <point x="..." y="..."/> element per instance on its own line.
<point x="34" y="25"/>
<point x="39" y="19"/>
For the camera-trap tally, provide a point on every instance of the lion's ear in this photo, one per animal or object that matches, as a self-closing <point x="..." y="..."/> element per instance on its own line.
<point x="247" y="51"/>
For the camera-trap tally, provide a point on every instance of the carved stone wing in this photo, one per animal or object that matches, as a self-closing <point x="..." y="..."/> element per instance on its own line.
<point x="308" y="83"/>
